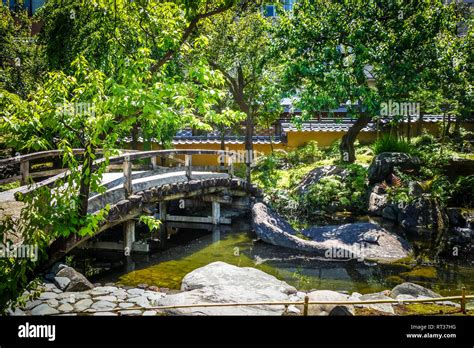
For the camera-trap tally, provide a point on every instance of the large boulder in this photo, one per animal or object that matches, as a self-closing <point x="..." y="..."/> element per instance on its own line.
<point x="328" y="309"/>
<point x="412" y="289"/>
<point x="357" y="240"/>
<point x="219" y="282"/>
<point x="424" y="214"/>
<point x="385" y="163"/>
<point x="77" y="281"/>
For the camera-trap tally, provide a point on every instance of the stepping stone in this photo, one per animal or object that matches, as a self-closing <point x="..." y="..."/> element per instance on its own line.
<point x="135" y="292"/>
<point x="149" y="313"/>
<point x="100" y="314"/>
<point x="17" y="312"/>
<point x="130" y="312"/>
<point x="52" y="303"/>
<point x="126" y="305"/>
<point x="65" y="307"/>
<point x="109" y="298"/>
<point x="103" y="290"/>
<point x="82" y="305"/>
<point x="43" y="309"/>
<point x="48" y="296"/>
<point x="32" y="304"/>
<point x="103" y="305"/>
<point x="141" y="301"/>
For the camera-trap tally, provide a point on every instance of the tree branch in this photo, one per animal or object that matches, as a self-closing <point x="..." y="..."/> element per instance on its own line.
<point x="187" y="32"/>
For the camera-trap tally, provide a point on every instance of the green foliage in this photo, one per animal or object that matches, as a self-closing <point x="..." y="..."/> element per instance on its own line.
<point x="425" y="139"/>
<point x="305" y="154"/>
<point x="151" y="222"/>
<point x="266" y="171"/>
<point x="22" y="62"/>
<point x="333" y="193"/>
<point x="389" y="143"/>
<point x="462" y="192"/>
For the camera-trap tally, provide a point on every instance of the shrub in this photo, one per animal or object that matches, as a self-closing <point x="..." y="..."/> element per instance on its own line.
<point x="305" y="154"/>
<point x="424" y="139"/>
<point x="267" y="173"/>
<point x="391" y="144"/>
<point x="335" y="193"/>
<point x="462" y="193"/>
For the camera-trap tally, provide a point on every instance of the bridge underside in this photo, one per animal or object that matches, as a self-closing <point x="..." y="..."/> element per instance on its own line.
<point x="216" y="190"/>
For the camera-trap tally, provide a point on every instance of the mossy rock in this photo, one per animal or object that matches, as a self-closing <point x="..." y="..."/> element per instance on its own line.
<point x="420" y="273"/>
<point x="427" y="309"/>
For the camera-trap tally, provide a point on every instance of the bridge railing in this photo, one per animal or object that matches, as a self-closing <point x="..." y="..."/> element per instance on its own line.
<point x="125" y="159"/>
<point x="25" y="161"/>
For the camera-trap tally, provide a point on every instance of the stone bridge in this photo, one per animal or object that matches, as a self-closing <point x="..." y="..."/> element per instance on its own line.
<point x="131" y="193"/>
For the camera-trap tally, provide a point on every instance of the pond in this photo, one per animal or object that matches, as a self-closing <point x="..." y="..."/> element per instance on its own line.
<point x="189" y="248"/>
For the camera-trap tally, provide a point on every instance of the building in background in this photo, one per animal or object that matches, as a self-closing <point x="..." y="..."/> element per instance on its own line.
<point x="31" y="5"/>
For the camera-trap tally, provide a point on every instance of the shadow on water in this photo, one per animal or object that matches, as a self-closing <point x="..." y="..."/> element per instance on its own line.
<point x="180" y="250"/>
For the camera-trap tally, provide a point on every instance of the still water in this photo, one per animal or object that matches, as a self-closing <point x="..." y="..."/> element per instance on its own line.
<point x="183" y="250"/>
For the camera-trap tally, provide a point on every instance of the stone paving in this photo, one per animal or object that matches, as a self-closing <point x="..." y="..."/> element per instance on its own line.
<point x="101" y="300"/>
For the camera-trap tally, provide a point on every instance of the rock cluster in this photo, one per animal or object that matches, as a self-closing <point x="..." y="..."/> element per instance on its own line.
<point x="422" y="214"/>
<point x="218" y="282"/>
<point x="357" y="240"/>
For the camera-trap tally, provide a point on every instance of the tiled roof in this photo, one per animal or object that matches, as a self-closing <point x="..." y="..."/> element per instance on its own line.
<point x="316" y="126"/>
<point x="228" y="140"/>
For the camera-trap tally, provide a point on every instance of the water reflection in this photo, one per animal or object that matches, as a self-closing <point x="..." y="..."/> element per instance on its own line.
<point x="179" y="250"/>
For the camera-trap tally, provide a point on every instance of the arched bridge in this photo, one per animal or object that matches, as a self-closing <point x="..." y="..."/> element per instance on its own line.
<point x="131" y="193"/>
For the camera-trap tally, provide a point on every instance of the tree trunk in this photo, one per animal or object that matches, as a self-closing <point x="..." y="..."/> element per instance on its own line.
<point x="248" y="146"/>
<point x="271" y="136"/>
<point x="409" y="128"/>
<point x="222" y="148"/>
<point x="135" y="136"/>
<point x="346" y="148"/>
<point x="448" y="127"/>
<point x="85" y="183"/>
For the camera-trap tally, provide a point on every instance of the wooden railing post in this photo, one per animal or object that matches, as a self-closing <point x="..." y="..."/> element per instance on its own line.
<point x="24" y="171"/>
<point x="127" y="173"/>
<point x="216" y="213"/>
<point x="153" y="162"/>
<point x="305" y="308"/>
<point x="128" y="236"/>
<point x="463" y="300"/>
<point x="188" y="161"/>
<point x="231" y="166"/>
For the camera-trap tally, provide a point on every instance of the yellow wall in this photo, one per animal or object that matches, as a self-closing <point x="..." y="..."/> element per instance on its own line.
<point x="295" y="139"/>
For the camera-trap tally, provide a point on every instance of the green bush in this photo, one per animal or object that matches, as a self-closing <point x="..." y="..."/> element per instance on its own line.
<point x="266" y="170"/>
<point x="462" y="192"/>
<point x="391" y="144"/>
<point x="424" y="140"/>
<point x="334" y="193"/>
<point x="305" y="154"/>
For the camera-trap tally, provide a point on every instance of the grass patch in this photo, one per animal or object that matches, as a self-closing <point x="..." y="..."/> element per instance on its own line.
<point x="9" y="186"/>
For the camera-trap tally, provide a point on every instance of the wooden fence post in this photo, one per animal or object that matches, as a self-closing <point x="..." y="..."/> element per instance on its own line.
<point x="127" y="173"/>
<point x="153" y="162"/>
<point x="231" y="166"/>
<point x="463" y="300"/>
<point x="188" y="161"/>
<point x="24" y="171"/>
<point x="305" y="308"/>
<point x="128" y="236"/>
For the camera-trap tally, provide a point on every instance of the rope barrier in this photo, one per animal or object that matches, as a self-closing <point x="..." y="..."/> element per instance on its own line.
<point x="304" y="303"/>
